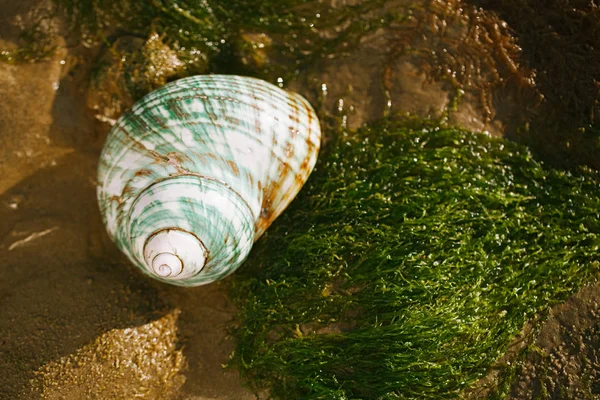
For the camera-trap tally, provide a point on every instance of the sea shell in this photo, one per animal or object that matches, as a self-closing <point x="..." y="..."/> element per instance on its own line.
<point x="196" y="171"/>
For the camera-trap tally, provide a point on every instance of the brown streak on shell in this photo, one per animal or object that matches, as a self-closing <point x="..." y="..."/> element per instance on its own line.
<point x="288" y="150"/>
<point x="234" y="168"/>
<point x="177" y="159"/>
<point x="304" y="169"/>
<point x="175" y="106"/>
<point x="257" y="126"/>
<point x="139" y="121"/>
<point x="158" y="158"/>
<point x="250" y="179"/>
<point x="160" y="121"/>
<point x="232" y="120"/>
<point x="116" y="199"/>
<point x="143" y="172"/>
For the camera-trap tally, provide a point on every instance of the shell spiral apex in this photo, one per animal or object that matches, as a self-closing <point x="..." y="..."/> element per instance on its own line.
<point x="196" y="171"/>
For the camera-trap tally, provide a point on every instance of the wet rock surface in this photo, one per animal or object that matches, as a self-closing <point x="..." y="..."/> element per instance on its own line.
<point x="565" y="360"/>
<point x="130" y="68"/>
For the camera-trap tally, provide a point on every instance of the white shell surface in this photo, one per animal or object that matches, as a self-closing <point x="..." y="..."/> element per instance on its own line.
<point x="199" y="168"/>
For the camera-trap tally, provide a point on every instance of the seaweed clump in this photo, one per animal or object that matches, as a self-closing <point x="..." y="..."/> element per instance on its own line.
<point x="561" y="42"/>
<point x="470" y="48"/>
<point x="409" y="262"/>
<point x="225" y="32"/>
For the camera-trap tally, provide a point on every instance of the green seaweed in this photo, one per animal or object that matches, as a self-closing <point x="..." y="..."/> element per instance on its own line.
<point x="408" y="264"/>
<point x="216" y="29"/>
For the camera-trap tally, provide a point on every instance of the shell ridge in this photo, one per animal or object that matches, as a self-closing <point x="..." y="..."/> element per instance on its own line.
<point x="208" y="178"/>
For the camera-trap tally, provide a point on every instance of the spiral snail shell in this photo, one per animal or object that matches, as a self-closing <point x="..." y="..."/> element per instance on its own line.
<point x="196" y="171"/>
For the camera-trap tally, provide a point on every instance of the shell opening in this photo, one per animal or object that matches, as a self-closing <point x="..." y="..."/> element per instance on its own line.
<point x="174" y="254"/>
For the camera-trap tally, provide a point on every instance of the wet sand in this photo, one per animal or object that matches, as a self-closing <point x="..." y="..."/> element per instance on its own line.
<point x="76" y="320"/>
<point x="64" y="287"/>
